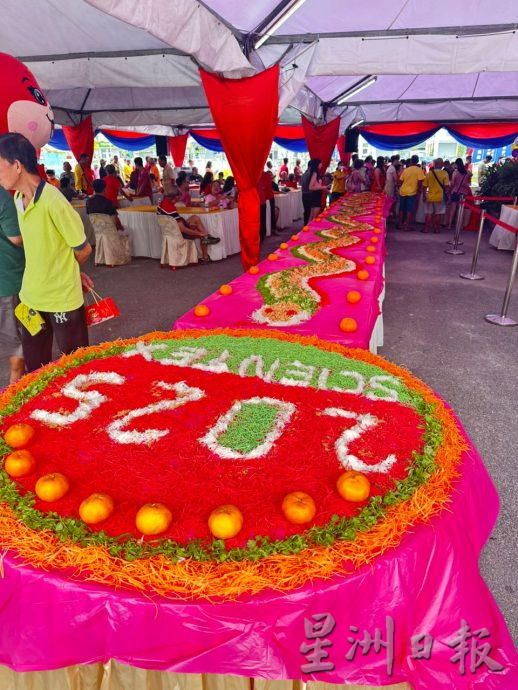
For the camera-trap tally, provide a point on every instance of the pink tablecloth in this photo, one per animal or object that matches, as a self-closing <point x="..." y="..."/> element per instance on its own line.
<point x="430" y="583"/>
<point x="236" y="310"/>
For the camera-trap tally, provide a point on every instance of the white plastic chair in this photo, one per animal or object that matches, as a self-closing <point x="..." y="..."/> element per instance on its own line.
<point x="176" y="250"/>
<point x="111" y="248"/>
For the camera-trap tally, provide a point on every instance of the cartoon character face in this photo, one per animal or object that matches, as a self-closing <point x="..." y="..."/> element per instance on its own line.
<point x="23" y="107"/>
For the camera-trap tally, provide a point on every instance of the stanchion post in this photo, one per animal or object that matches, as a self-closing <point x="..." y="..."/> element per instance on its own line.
<point x="460" y="215"/>
<point x="459" y="241"/>
<point x="502" y="319"/>
<point x="473" y="275"/>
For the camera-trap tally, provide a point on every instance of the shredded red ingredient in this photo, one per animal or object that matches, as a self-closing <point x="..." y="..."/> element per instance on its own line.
<point x="183" y="474"/>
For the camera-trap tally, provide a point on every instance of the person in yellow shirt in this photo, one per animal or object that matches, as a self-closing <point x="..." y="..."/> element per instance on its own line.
<point x="55" y="247"/>
<point x="411" y="182"/>
<point x="436" y="187"/>
<point x="80" y="179"/>
<point x="338" y="186"/>
<point x="127" y="170"/>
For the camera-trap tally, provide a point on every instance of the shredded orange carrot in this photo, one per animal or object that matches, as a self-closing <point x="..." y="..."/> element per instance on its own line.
<point x="230" y="579"/>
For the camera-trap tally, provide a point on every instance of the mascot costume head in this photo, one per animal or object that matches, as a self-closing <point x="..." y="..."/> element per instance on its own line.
<point x="23" y="107"/>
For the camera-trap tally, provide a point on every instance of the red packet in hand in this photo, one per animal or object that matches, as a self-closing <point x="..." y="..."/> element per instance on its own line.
<point x="101" y="310"/>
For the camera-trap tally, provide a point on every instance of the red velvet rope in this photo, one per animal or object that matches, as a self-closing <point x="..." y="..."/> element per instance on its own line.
<point x="494" y="198"/>
<point x="497" y="221"/>
<point x="503" y="225"/>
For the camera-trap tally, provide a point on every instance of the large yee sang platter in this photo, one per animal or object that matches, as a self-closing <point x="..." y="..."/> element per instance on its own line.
<point x="169" y="462"/>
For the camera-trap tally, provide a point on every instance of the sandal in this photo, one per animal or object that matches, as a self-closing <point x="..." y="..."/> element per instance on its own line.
<point x="210" y="239"/>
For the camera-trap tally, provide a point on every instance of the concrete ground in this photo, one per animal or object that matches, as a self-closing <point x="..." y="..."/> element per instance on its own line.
<point x="434" y="326"/>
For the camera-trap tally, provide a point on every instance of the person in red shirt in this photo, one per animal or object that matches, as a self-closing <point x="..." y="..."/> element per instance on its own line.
<point x="292" y="182"/>
<point x="192" y="228"/>
<point x="143" y="181"/>
<point x="284" y="168"/>
<point x="206" y="183"/>
<point x="114" y="186"/>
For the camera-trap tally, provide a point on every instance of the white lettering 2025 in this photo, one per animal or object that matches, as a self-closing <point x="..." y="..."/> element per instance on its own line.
<point x="348" y="460"/>
<point x="211" y="439"/>
<point x="88" y="400"/>
<point x="184" y="394"/>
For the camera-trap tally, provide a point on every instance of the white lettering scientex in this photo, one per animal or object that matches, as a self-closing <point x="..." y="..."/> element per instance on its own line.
<point x="295" y="373"/>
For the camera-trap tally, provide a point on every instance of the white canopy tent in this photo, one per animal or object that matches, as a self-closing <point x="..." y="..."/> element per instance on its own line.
<point x="134" y="63"/>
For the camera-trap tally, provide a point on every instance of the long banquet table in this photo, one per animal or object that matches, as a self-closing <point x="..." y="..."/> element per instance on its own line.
<point x="240" y="309"/>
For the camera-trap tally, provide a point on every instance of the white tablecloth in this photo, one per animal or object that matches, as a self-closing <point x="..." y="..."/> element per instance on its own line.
<point x="290" y="209"/>
<point x="141" y="201"/>
<point x="146" y="238"/>
<point x="223" y="224"/>
<point x="501" y="238"/>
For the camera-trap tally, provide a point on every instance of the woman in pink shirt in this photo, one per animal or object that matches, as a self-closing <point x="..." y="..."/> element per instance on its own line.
<point x="460" y="184"/>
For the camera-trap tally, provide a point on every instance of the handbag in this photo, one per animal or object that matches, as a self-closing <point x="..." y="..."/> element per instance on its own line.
<point x="30" y="318"/>
<point x="102" y="310"/>
<point x="455" y="196"/>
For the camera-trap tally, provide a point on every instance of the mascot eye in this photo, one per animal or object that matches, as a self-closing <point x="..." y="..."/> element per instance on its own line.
<point x="38" y="96"/>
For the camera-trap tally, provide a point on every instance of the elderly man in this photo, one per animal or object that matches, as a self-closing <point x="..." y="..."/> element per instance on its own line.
<point x="55" y="247"/>
<point x="195" y="176"/>
<point x="167" y="174"/>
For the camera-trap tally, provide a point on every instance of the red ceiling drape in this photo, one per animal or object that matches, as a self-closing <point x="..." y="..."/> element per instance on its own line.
<point x="321" y="139"/>
<point x="177" y="146"/>
<point x="80" y="139"/>
<point x="340" y="145"/>
<point x="245" y="115"/>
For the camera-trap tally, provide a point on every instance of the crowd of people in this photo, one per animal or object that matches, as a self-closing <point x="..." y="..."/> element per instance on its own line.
<point x="439" y="185"/>
<point x="43" y="242"/>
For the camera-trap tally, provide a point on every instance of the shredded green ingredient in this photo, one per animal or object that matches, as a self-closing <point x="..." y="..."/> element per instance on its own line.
<point x="249" y="429"/>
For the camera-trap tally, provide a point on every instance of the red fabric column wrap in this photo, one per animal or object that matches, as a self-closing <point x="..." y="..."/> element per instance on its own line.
<point x="80" y="139"/>
<point x="177" y="146"/>
<point x="321" y="140"/>
<point x="245" y="114"/>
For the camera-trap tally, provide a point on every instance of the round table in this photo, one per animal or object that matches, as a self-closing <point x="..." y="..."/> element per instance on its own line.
<point x="145" y="235"/>
<point x="290" y="207"/>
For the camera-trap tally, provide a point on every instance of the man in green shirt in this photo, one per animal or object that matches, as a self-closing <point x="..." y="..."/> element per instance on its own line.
<point x="12" y="264"/>
<point x="55" y="246"/>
